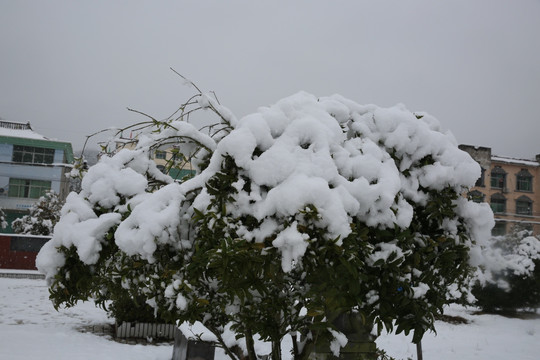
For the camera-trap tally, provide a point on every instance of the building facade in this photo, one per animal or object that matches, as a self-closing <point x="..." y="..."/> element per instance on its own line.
<point x="30" y="165"/>
<point x="510" y="186"/>
<point x="167" y="161"/>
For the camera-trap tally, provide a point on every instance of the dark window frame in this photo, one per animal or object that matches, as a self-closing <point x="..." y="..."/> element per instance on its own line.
<point x="27" y="188"/>
<point x="524" y="181"/>
<point x="498" y="203"/>
<point x="498" y="178"/>
<point x="32" y="154"/>
<point x="524" y="206"/>
<point x="160" y="154"/>
<point x="499" y="229"/>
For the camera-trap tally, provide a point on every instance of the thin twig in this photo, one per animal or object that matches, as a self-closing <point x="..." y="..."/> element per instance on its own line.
<point x="141" y="113"/>
<point x="187" y="80"/>
<point x="215" y="96"/>
<point x="92" y="135"/>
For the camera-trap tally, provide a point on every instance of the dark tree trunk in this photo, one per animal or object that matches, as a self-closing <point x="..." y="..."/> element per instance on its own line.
<point x="361" y="344"/>
<point x="419" y="354"/>
<point x="250" y="344"/>
<point x="276" y="350"/>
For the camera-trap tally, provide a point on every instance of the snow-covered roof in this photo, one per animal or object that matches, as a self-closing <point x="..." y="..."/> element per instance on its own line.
<point x="19" y="130"/>
<point x="22" y="134"/>
<point x="515" y="161"/>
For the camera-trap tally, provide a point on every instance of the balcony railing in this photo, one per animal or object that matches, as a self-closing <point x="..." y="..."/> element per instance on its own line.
<point x="14" y="125"/>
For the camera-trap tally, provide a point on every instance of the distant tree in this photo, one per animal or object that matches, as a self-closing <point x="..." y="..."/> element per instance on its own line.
<point x="44" y="214"/>
<point x="516" y="284"/>
<point x="308" y="210"/>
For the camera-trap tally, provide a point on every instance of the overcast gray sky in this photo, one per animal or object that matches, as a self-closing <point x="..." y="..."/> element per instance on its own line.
<point x="72" y="67"/>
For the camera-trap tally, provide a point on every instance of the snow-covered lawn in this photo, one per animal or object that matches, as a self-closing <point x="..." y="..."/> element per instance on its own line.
<point x="489" y="337"/>
<point x="30" y="328"/>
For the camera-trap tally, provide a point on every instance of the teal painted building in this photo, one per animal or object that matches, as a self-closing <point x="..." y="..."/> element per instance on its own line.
<point x="30" y="165"/>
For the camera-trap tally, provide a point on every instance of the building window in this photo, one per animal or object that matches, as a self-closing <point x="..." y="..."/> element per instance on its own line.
<point x="476" y="196"/>
<point x="33" y="155"/>
<point x="160" y="154"/>
<point x="523" y="206"/>
<point x="524" y="181"/>
<point x="23" y="188"/>
<point x="499" y="229"/>
<point x="498" y="178"/>
<point x="481" y="179"/>
<point x="498" y="203"/>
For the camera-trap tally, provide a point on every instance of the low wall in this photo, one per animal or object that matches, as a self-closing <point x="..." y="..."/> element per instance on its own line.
<point x="19" y="251"/>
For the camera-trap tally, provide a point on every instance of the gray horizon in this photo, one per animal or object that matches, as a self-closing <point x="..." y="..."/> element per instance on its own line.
<point x="73" y="68"/>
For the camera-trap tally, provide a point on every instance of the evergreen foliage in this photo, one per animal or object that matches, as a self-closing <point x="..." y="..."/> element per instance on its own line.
<point x="290" y="272"/>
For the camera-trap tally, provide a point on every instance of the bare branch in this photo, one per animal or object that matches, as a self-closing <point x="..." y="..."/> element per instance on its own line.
<point x="215" y="96"/>
<point x="141" y="113"/>
<point x="187" y="80"/>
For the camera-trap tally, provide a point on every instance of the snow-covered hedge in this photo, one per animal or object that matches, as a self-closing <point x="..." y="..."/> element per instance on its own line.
<point x="299" y="212"/>
<point x="514" y="279"/>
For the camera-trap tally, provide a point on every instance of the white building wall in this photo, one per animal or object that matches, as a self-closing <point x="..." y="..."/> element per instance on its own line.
<point x="53" y="173"/>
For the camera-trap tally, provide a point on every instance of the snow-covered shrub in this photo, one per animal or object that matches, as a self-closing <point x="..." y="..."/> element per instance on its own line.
<point x="303" y="211"/>
<point x="516" y="283"/>
<point x="80" y="167"/>
<point x="43" y="216"/>
<point x="3" y="222"/>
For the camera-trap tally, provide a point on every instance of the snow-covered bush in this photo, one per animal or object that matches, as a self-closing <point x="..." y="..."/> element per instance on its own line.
<point x="43" y="216"/>
<point x="3" y="222"/>
<point x="303" y="211"/>
<point x="80" y="167"/>
<point x="516" y="283"/>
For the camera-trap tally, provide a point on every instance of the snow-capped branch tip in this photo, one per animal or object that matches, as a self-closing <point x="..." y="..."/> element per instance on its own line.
<point x="216" y="107"/>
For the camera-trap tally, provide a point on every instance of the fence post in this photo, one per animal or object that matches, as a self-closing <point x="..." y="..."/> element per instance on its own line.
<point x="185" y="349"/>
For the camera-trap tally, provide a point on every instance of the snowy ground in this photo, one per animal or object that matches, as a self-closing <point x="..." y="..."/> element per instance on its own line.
<point x="486" y="337"/>
<point x="31" y="329"/>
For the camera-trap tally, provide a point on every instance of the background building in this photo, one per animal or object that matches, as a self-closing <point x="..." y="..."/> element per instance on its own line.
<point x="510" y="186"/>
<point x="168" y="162"/>
<point x="167" y="158"/>
<point x="30" y="165"/>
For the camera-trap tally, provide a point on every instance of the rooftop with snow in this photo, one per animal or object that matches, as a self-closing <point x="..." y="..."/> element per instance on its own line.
<point x="20" y="130"/>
